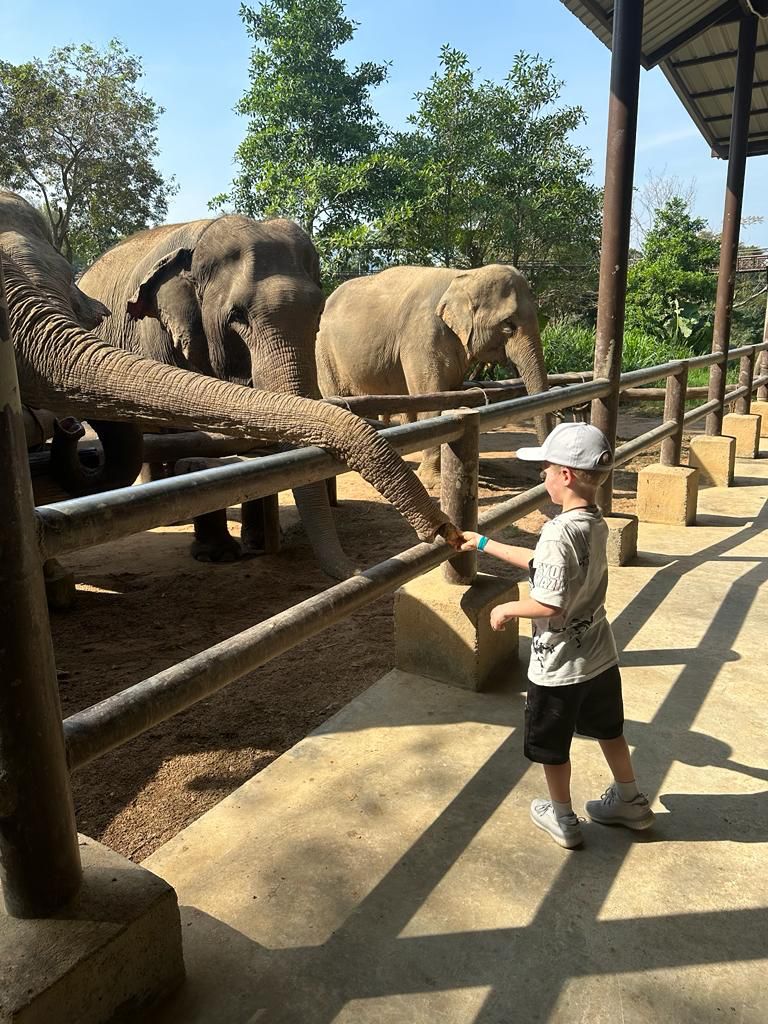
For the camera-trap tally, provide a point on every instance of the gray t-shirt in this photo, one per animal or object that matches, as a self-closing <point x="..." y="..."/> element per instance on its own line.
<point x="570" y="572"/>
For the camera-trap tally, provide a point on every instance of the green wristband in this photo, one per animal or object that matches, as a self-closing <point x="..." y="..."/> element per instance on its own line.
<point x="482" y="542"/>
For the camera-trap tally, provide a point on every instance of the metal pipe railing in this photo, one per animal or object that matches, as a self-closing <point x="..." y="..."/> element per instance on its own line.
<point x="95" y="730"/>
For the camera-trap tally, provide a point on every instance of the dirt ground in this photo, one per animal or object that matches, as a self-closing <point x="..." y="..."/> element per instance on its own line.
<point x="144" y="604"/>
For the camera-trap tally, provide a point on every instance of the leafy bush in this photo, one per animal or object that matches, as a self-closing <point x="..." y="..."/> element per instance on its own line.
<point x="570" y="348"/>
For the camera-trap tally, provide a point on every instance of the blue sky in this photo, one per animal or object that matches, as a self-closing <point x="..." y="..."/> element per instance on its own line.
<point x="196" y="60"/>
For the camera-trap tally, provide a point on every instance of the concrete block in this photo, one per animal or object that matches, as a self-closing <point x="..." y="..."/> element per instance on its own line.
<point x="443" y="630"/>
<point x="667" y="494"/>
<point x="761" y="409"/>
<point x="115" y="949"/>
<point x="746" y="430"/>
<point x="715" y="458"/>
<point x="622" y="538"/>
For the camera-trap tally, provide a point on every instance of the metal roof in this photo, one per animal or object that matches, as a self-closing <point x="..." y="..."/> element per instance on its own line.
<point x="694" y="42"/>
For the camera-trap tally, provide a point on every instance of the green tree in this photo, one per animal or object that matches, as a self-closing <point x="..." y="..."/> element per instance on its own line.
<point x="79" y="139"/>
<point x="311" y="151"/>
<point x="671" y="288"/>
<point x="488" y="173"/>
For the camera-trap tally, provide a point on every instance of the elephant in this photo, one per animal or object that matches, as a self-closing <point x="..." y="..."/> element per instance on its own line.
<point x="65" y="368"/>
<point x="231" y="298"/>
<point x="415" y="330"/>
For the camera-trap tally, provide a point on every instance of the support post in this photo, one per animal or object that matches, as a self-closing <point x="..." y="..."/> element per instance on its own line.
<point x="734" y="194"/>
<point x="39" y="854"/>
<point x="617" y="208"/>
<point x="458" y="491"/>
<point x="674" y="409"/>
<point x="762" y="391"/>
<point x="746" y="376"/>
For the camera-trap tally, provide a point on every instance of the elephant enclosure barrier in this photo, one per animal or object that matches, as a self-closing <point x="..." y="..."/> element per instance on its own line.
<point x="85" y="522"/>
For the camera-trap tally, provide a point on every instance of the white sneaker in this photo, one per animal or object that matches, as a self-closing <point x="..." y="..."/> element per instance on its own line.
<point x="610" y="809"/>
<point x="566" y="831"/>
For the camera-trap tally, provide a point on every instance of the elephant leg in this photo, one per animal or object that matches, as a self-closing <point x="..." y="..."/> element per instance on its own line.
<point x="429" y="467"/>
<point x="260" y="525"/>
<point x="213" y="541"/>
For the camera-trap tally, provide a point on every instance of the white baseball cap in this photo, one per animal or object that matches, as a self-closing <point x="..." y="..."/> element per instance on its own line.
<point x="577" y="445"/>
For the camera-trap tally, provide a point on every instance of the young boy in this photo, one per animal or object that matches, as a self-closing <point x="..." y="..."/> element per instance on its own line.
<point x="574" y="682"/>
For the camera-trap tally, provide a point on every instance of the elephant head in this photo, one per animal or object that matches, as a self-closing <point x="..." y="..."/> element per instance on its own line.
<point x="232" y="298"/>
<point x="24" y="237"/>
<point x="493" y="313"/>
<point x="65" y="368"/>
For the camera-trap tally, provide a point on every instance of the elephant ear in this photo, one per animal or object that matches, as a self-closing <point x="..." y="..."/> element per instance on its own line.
<point x="456" y="311"/>
<point x="143" y="302"/>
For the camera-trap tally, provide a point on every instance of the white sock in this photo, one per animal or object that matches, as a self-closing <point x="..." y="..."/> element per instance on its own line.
<point x="627" y="790"/>
<point x="562" y="809"/>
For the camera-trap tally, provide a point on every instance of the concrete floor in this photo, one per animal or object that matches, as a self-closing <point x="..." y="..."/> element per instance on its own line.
<point x="384" y="870"/>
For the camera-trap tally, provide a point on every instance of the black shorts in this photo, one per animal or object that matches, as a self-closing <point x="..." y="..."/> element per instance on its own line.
<point x="554" y="713"/>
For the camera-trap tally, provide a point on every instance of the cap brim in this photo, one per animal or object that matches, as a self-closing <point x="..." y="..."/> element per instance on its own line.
<point x="531" y="454"/>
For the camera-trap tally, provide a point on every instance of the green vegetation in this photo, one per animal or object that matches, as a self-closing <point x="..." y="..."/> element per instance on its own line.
<point x="313" y="151"/>
<point x="486" y="173"/>
<point x="671" y="288"/>
<point x="79" y="139"/>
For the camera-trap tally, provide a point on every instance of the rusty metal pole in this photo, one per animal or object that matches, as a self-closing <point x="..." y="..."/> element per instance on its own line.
<point x="746" y="376"/>
<point x="762" y="391"/>
<point x="674" y="409"/>
<point x="617" y="209"/>
<point x="734" y="194"/>
<point x="39" y="854"/>
<point x="458" y="491"/>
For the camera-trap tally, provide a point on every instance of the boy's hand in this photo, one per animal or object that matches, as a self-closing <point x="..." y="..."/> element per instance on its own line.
<point x="499" y="618"/>
<point x="470" y="540"/>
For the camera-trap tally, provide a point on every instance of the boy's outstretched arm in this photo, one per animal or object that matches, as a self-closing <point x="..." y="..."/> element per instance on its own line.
<point x="506" y="552"/>
<point x="525" y="609"/>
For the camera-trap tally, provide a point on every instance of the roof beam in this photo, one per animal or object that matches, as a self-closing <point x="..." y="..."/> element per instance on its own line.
<point x="727" y="11"/>
<point x="706" y="93"/>
<point x="726" y="117"/>
<point x="754" y="137"/>
<point x="604" y="17"/>
<point x="692" y="62"/>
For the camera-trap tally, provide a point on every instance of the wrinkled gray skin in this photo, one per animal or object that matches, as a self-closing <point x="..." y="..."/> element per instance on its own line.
<point x="415" y="330"/>
<point x="24" y="233"/>
<point x="65" y="368"/>
<point x="232" y="298"/>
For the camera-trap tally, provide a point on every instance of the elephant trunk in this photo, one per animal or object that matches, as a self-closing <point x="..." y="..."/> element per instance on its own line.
<point x="66" y="369"/>
<point x="527" y="354"/>
<point x="282" y="367"/>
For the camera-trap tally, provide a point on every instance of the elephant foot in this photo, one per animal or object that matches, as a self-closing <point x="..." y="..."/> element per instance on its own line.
<point x="228" y="550"/>
<point x="340" y="571"/>
<point x="430" y="478"/>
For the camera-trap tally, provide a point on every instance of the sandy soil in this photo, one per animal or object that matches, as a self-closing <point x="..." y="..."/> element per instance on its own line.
<point x="144" y="604"/>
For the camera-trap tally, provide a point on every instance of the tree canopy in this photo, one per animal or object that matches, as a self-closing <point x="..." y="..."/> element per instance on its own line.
<point x="671" y="288"/>
<point x="312" y="148"/>
<point x="488" y="172"/>
<point x="79" y="139"/>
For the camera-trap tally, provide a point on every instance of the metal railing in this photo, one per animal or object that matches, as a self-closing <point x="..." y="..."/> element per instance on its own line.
<point x="83" y="522"/>
<point x="98" y="519"/>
